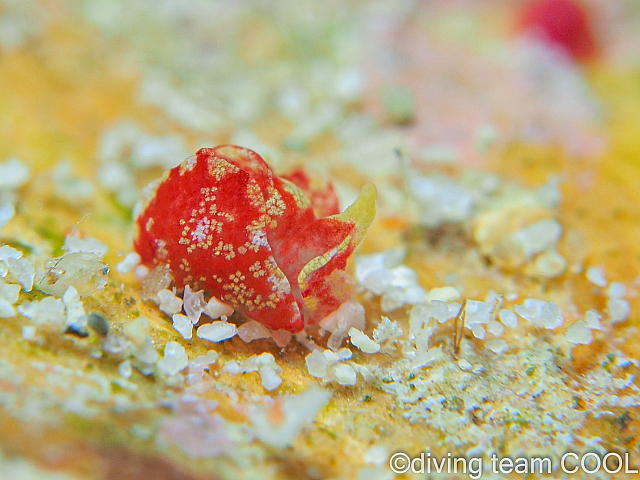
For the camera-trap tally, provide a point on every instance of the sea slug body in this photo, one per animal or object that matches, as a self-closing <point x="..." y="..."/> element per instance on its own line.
<point x="223" y="222"/>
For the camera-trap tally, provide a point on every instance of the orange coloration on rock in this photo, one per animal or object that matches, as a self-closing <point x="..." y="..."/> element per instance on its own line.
<point x="223" y="222"/>
<point x="562" y="23"/>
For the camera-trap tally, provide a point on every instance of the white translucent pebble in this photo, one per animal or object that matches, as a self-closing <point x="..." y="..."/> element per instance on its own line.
<point x="425" y="358"/>
<point x="331" y="356"/>
<point x="335" y="340"/>
<point x="403" y="276"/>
<point x="162" y="150"/>
<point x="493" y="298"/>
<point x="22" y="270"/>
<point x="128" y="263"/>
<point x="232" y="367"/>
<point x="496" y="345"/>
<point x="10" y="292"/>
<point x="174" y="359"/>
<point x="392" y="299"/>
<point x="418" y="318"/>
<point x="73" y="243"/>
<point x="317" y="364"/>
<point x="183" y="325"/>
<point x="538" y="237"/>
<point x="477" y="312"/>
<point x="207" y="359"/>
<point x="512" y="297"/>
<point x="440" y="311"/>
<point x="76" y="316"/>
<point x="299" y="410"/>
<point x="138" y="330"/>
<point x="464" y="364"/>
<point x="82" y="270"/>
<point x="386" y="330"/>
<point x="539" y="312"/>
<point x="618" y="309"/>
<point x="616" y="290"/>
<point x="29" y="332"/>
<point x="344" y="374"/>
<point x="363" y="342"/>
<point x="216" y="309"/>
<point x="393" y="257"/>
<point x="252" y="330"/>
<point x="125" y="369"/>
<point x="550" y="263"/>
<point x="146" y="353"/>
<point x="441" y="199"/>
<point x="194" y="304"/>
<point x="13" y="174"/>
<point x="454" y="309"/>
<point x="552" y="316"/>
<point x="477" y="330"/>
<point x="445" y="294"/>
<point x="377" y="455"/>
<point x="115" y="140"/>
<point x="344" y="354"/>
<point x="68" y="186"/>
<point x="508" y="318"/>
<point x="377" y="281"/>
<point x="217" y="331"/>
<point x="6" y="309"/>
<point x="373" y="270"/>
<point x="495" y="328"/>
<point x="115" y="176"/>
<point x="255" y="362"/>
<point x="7" y="212"/>
<point x="48" y="311"/>
<point x="7" y="252"/>
<point x="141" y="272"/>
<point x="349" y="314"/>
<point x="169" y="303"/>
<point x="349" y="84"/>
<point x="281" y="337"/>
<point x="269" y="378"/>
<point x="592" y="319"/>
<point x="414" y="295"/>
<point x="596" y="276"/>
<point x="579" y="333"/>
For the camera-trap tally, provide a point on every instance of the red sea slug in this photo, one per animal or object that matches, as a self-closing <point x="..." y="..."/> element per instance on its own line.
<point x="223" y="222"/>
<point x="562" y="23"/>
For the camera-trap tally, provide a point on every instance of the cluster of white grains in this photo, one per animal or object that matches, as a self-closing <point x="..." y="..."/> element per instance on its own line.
<point x="329" y="365"/>
<point x="383" y="274"/>
<point x="446" y="391"/>
<point x="19" y="268"/>
<point x="174" y="359"/>
<point x="69" y="187"/>
<point x="265" y="364"/>
<point x="61" y="313"/>
<point x="299" y="410"/>
<point x="194" y="306"/>
<point x="80" y="267"/>
<point x="126" y="149"/>
<point x="130" y="261"/>
<point x="349" y="315"/>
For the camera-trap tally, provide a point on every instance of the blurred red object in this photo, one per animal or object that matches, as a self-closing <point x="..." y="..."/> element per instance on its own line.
<point x="561" y="23"/>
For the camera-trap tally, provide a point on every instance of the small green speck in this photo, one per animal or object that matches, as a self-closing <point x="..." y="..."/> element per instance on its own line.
<point x="398" y="103"/>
